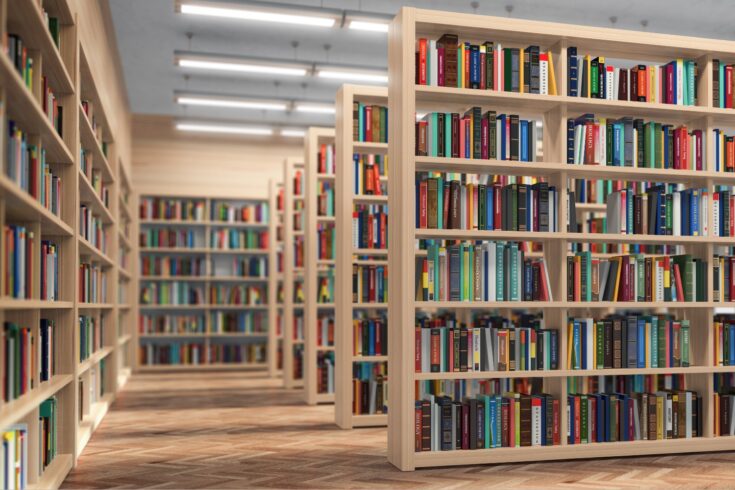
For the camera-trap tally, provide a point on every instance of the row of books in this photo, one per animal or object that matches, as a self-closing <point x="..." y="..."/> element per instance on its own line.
<point x="325" y="330"/>
<point x="671" y="83"/>
<point x="149" y="323"/>
<point x="722" y="84"/>
<point x="486" y="344"/>
<point x="256" y="213"/>
<point x="484" y="271"/>
<point x="658" y="212"/>
<point x="724" y="340"/>
<point x="636" y="278"/>
<point x="369" y="169"/>
<point x="628" y="341"/>
<point x="226" y="294"/>
<point x="298" y="326"/>
<point x="28" y="358"/>
<point x="369" y="283"/>
<point x="723" y="275"/>
<point x="325" y="198"/>
<point x="18" y="261"/>
<point x="724" y="411"/>
<point x="298" y="362"/>
<point x="169" y="237"/>
<point x="231" y="239"/>
<point x="92" y="283"/>
<point x="369" y="123"/>
<point x="453" y="204"/>
<point x="724" y="151"/>
<point x="172" y="209"/>
<point x="90" y="336"/>
<point x="369" y="388"/>
<point x="92" y="228"/>
<point x="325" y="160"/>
<point x="171" y="293"/>
<point x="370" y="336"/>
<point x="633" y="142"/>
<point x="197" y="353"/>
<point x="723" y="213"/>
<point x="20" y="58"/>
<point x="448" y="62"/>
<point x="370" y="226"/>
<point x="156" y="266"/>
<point x="326" y="241"/>
<point x="325" y="286"/>
<point x="246" y="267"/>
<point x="325" y="372"/>
<point x="444" y="423"/>
<point x="252" y="322"/>
<point x="298" y="183"/>
<point x="477" y="135"/>
<point x="26" y="165"/>
<point x="53" y="111"/>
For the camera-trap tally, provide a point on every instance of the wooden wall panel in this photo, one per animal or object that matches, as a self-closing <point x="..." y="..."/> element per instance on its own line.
<point x="189" y="163"/>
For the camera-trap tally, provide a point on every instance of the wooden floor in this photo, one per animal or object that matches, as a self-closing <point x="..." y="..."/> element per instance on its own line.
<point x="232" y="430"/>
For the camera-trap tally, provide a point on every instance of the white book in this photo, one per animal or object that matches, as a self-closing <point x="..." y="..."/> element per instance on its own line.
<point x="425" y="350"/>
<point x="688" y="415"/>
<point x="434" y="424"/>
<point x="434" y="75"/>
<point x="679" y="81"/>
<point x="704" y="213"/>
<point x="499" y="65"/>
<point x="610" y="83"/>
<point x="544" y="77"/>
<point x="660" y="282"/>
<point x="716" y="216"/>
<point x="536" y="425"/>
<point x="677" y="214"/>
<point x="545" y="271"/>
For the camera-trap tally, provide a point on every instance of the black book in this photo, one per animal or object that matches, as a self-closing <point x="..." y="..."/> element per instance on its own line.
<point x="515" y="75"/>
<point x="489" y="66"/>
<point x="454" y="221"/>
<point x="570" y="278"/>
<point x="477" y="132"/>
<point x="610" y="284"/>
<point x="473" y="423"/>
<point x="522" y="207"/>
<point x="514" y="137"/>
<point x="572" y="211"/>
<point x="445" y="407"/>
<point x="535" y="83"/>
<point x="527" y="71"/>
<point x="716" y="83"/>
<point x="441" y="137"/>
<point x="570" y="140"/>
<point x="543" y="205"/>
<point x="572" y="72"/>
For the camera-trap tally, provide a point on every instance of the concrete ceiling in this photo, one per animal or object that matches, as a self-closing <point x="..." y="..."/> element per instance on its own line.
<point x="149" y="31"/>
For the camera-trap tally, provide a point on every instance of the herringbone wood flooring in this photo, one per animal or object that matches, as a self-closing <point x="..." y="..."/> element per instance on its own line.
<point x="233" y="430"/>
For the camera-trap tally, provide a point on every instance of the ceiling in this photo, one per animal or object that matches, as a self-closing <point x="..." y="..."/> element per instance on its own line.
<point x="149" y="31"/>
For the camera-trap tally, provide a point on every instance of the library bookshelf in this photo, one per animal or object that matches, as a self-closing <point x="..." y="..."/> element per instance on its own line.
<point x="293" y="273"/>
<point x="318" y="380"/>
<point x="82" y="379"/>
<point x="204" y="287"/>
<point x="348" y="197"/>
<point x="275" y="281"/>
<point x="406" y="98"/>
<point x="127" y="262"/>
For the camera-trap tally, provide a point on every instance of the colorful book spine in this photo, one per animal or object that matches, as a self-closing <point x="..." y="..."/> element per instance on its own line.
<point x="370" y="226"/>
<point x="369" y="123"/>
<point x="149" y="324"/>
<point x="325" y="330"/>
<point x="49" y="271"/>
<point x="245" y="322"/>
<point x="326" y="245"/>
<point x="325" y="163"/>
<point x="169" y="238"/>
<point x="14" y="451"/>
<point x="723" y="278"/>
<point x="239" y="239"/>
<point x="172" y="209"/>
<point x="252" y="213"/>
<point x="371" y="172"/>
<point x="241" y="294"/>
<point x="325" y="286"/>
<point x="171" y="293"/>
<point x="724" y="340"/>
<point x="18" y="273"/>
<point x="90" y="336"/>
<point x="325" y="199"/>
<point x="722" y="84"/>
<point x="20" y="58"/>
<point x="156" y="266"/>
<point x="369" y="283"/>
<point x="369" y="388"/>
<point x="370" y="336"/>
<point x="173" y="353"/>
<point x="222" y="353"/>
<point x="92" y="228"/>
<point x="48" y="431"/>
<point x="92" y="283"/>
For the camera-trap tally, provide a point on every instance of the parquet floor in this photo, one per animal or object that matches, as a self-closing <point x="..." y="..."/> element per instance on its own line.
<point x="231" y="430"/>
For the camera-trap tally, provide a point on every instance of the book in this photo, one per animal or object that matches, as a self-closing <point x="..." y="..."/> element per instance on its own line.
<point x="370" y="172"/>
<point x="370" y="335"/>
<point x="14" y="451"/>
<point x="18" y="273"/>
<point x="370" y="388"/>
<point x="369" y="283"/>
<point x="219" y="238"/>
<point x="219" y="294"/>
<point x="93" y="228"/>
<point x="369" y="124"/>
<point x="160" y="208"/>
<point x="724" y="151"/>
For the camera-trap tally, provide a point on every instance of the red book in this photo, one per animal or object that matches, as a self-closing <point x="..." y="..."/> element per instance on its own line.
<point x="556" y="423"/>
<point x="485" y="136"/>
<point x="642" y="82"/>
<point x="368" y="120"/>
<point x="577" y="420"/>
<point x="497" y="207"/>
<point x="422" y="67"/>
<point x="505" y="423"/>
<point x="383" y="230"/>
<point x="677" y="149"/>
<point x="589" y="144"/>
<point x="593" y="420"/>
<point x="440" y="65"/>
<point x="417" y="348"/>
<point x="512" y="423"/>
<point x="423" y="216"/>
<point x="451" y="349"/>
<point x="467" y="65"/>
<point x="371" y="284"/>
<point x="677" y="281"/>
<point x="670" y="83"/>
<point x="728" y="87"/>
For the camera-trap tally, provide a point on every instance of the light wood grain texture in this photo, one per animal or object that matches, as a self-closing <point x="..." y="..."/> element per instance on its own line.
<point x="346" y="253"/>
<point x="315" y="137"/>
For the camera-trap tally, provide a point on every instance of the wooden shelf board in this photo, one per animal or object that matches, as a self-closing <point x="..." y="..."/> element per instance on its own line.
<point x="325" y="348"/>
<point x="214" y="367"/>
<point x="370" y="262"/>
<point x="174" y="250"/>
<point x="13" y="411"/>
<point x="237" y="224"/>
<point x="92" y="420"/>
<point x="369" y="420"/>
<point x="537" y="305"/>
<point x="34" y="304"/>
<point x="95" y="358"/>
<point x="325" y="306"/>
<point x="21" y="207"/>
<point x="90" y="143"/>
<point x="170" y="222"/>
<point x="325" y="219"/>
<point x="87" y="195"/>
<point x="370" y="147"/>
<point x="124" y="306"/>
<point x="369" y="306"/>
<point x="370" y="199"/>
<point x="242" y="251"/>
<point x="381" y="252"/>
<point x="86" y="248"/>
<point x="369" y="358"/>
<point x="124" y="274"/>
<point x="55" y="473"/>
<point x="95" y="306"/>
<point x="324" y="398"/>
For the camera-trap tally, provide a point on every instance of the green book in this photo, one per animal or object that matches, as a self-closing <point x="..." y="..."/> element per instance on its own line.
<point x="500" y="271"/>
<point x="508" y="69"/>
<point x="659" y="148"/>
<point x="661" y="346"/>
<point x="600" y="345"/>
<point x="361" y="119"/>
<point x="584" y="429"/>
<point x="685" y="343"/>
<point x="447" y="134"/>
<point x="654" y="341"/>
<point x="514" y="259"/>
<point x="434" y="151"/>
<point x="440" y="203"/>
<point x="514" y="207"/>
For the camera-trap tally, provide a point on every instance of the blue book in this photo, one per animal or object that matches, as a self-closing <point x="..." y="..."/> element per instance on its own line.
<point x="583" y="344"/>
<point x="732" y="345"/>
<point x="501" y="118"/>
<point x="524" y="140"/>
<point x="490" y="207"/>
<point x="694" y="207"/>
<point x="475" y="66"/>
<point x="617" y="132"/>
<point x="572" y="415"/>
<point x="572" y="71"/>
<point x="576" y="360"/>
<point x="641" y="343"/>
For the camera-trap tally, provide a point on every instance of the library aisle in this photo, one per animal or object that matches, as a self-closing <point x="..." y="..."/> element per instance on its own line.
<point x="194" y="430"/>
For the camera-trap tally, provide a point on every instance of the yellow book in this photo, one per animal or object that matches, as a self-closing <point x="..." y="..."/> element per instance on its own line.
<point x="588" y="74"/>
<point x="521" y="70"/>
<point x="552" y="75"/>
<point x="652" y="83"/>
<point x="717" y="414"/>
<point x="660" y="421"/>
<point x="570" y="334"/>
<point x="460" y="66"/>
<point x="619" y="260"/>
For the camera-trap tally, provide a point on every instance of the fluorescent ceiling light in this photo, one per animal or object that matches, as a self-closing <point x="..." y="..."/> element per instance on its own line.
<point x="232" y="103"/>
<point x="219" y="128"/>
<point x="363" y="25"/>
<point x="293" y="133"/>
<point x="242" y="67"/>
<point x="258" y="13"/>
<point x="353" y="76"/>
<point x="315" y="108"/>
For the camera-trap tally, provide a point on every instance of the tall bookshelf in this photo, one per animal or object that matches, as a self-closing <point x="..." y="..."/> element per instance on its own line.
<point x="318" y="309"/>
<point x="83" y="386"/>
<point x="275" y="280"/>
<point x="127" y="277"/>
<point x="407" y="98"/>
<point x="348" y="198"/>
<point x="220" y="318"/>
<point x="293" y="275"/>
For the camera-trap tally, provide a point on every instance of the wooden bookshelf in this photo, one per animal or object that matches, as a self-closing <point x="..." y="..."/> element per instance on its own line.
<point x="347" y="197"/>
<point x="406" y="99"/>
<point x="275" y="332"/>
<point x="218" y="271"/>
<point x="315" y="268"/>
<point x="293" y="277"/>
<point x="127" y="262"/>
<point x="79" y="386"/>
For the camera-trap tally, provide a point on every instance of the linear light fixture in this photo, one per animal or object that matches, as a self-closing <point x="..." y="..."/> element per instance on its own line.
<point x="233" y="103"/>
<point x="254" y="66"/>
<point x="260" y="12"/>
<point x="293" y="133"/>
<point x="350" y="75"/>
<point x="224" y="129"/>
<point x="315" y="108"/>
<point x="366" y="25"/>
